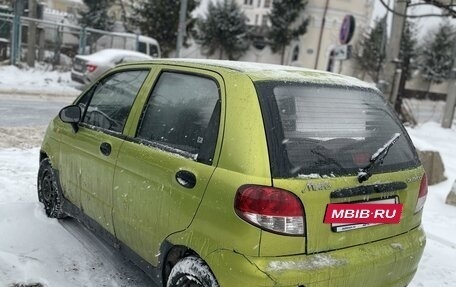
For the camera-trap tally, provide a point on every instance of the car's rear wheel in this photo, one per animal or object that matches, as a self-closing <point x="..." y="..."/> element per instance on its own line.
<point x="191" y="272"/>
<point x="49" y="192"/>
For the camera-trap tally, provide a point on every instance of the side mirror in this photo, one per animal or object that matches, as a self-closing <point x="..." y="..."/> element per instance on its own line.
<point x="72" y="115"/>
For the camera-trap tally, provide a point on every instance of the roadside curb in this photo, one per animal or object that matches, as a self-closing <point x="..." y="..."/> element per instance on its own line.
<point x="40" y="93"/>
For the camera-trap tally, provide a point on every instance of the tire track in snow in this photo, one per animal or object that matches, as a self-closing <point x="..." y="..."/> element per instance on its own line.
<point x="129" y="273"/>
<point x="441" y="240"/>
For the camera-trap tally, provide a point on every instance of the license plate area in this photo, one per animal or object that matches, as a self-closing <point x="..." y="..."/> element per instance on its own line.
<point x="78" y="67"/>
<point x="341" y="227"/>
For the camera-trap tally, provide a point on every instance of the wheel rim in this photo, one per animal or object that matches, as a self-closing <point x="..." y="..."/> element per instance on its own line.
<point x="188" y="281"/>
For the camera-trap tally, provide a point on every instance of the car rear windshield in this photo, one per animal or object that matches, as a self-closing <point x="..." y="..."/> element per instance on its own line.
<point x="319" y="131"/>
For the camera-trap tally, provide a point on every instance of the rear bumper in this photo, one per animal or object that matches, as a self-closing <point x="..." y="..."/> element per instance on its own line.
<point x="79" y="77"/>
<point x="387" y="263"/>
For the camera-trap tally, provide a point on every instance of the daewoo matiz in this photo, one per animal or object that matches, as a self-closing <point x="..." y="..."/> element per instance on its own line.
<point x="218" y="173"/>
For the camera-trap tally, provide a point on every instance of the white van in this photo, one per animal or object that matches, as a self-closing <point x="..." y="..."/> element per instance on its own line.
<point x="129" y="41"/>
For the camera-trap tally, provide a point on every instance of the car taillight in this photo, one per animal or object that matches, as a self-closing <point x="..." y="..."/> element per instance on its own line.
<point x="422" y="194"/>
<point x="90" y="68"/>
<point x="271" y="209"/>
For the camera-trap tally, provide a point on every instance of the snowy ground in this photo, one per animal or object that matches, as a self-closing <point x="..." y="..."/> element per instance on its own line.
<point x="438" y="267"/>
<point x="35" y="249"/>
<point x="41" y="81"/>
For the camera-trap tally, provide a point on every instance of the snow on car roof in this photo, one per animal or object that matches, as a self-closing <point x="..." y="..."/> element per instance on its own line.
<point x="260" y="71"/>
<point x="108" y="54"/>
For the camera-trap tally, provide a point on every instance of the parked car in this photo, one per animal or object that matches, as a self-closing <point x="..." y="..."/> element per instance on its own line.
<point x="129" y="41"/>
<point x="219" y="173"/>
<point x="87" y="68"/>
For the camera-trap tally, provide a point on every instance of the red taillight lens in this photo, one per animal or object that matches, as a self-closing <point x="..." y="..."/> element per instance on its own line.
<point x="422" y="194"/>
<point x="270" y="208"/>
<point x="90" y="68"/>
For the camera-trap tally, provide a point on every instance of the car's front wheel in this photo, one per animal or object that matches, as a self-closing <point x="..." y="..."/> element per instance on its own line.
<point x="191" y="272"/>
<point x="49" y="192"/>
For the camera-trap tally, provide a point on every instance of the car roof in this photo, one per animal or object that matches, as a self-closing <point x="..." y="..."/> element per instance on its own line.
<point x="270" y="72"/>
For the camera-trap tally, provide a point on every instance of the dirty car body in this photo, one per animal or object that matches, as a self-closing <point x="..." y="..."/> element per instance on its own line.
<point x="233" y="165"/>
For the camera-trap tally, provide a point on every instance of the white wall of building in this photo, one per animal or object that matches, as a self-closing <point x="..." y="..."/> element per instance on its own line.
<point x="307" y="44"/>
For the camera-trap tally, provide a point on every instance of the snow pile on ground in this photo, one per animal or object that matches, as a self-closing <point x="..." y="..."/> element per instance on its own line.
<point x="35" y="249"/>
<point x="437" y="267"/>
<point x="426" y="110"/>
<point x="21" y="137"/>
<point x="39" y="80"/>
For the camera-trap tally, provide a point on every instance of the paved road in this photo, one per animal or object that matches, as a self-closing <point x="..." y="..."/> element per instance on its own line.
<point x="29" y="111"/>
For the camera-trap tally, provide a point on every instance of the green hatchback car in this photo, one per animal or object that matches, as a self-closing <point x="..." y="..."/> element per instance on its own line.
<point x="220" y="173"/>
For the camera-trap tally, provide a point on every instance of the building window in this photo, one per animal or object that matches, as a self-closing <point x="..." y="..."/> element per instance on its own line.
<point x="264" y="21"/>
<point x="295" y="55"/>
<point x="267" y="3"/>
<point x="248" y="2"/>
<point x="259" y="3"/>
<point x="256" y="19"/>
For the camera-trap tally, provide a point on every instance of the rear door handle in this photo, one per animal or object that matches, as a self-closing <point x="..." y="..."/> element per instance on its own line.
<point x="186" y="178"/>
<point x="105" y="148"/>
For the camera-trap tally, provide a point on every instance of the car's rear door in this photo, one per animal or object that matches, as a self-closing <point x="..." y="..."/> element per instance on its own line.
<point x="88" y="156"/>
<point x="164" y="166"/>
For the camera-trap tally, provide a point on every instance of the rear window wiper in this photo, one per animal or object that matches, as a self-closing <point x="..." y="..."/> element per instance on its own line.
<point x="365" y="173"/>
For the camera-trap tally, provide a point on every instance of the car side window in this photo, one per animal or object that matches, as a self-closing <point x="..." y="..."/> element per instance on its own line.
<point x="182" y="115"/>
<point x="142" y="47"/>
<point x="112" y="100"/>
<point x="84" y="100"/>
<point x="153" y="50"/>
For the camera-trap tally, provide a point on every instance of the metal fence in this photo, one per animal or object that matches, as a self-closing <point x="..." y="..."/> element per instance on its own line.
<point x="56" y="42"/>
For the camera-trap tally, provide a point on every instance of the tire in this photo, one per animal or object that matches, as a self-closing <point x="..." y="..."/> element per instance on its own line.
<point x="49" y="192"/>
<point x="191" y="272"/>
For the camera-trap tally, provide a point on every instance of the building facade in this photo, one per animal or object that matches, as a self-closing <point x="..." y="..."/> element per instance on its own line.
<point x="67" y="6"/>
<point x="314" y="48"/>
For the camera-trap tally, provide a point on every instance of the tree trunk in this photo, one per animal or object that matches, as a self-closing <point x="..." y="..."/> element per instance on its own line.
<point x="282" y="55"/>
<point x="401" y="89"/>
<point x="124" y="15"/>
<point x="221" y="54"/>
<point x="428" y="90"/>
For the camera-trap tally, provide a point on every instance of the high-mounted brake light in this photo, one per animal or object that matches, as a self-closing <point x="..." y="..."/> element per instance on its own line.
<point x="90" y="68"/>
<point x="271" y="209"/>
<point x="422" y="194"/>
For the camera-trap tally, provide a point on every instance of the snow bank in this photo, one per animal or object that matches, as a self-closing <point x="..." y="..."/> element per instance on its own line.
<point x="36" y="249"/>
<point x="21" y="137"/>
<point x="432" y="136"/>
<point x="36" y="81"/>
<point x="426" y="110"/>
<point x="437" y="266"/>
